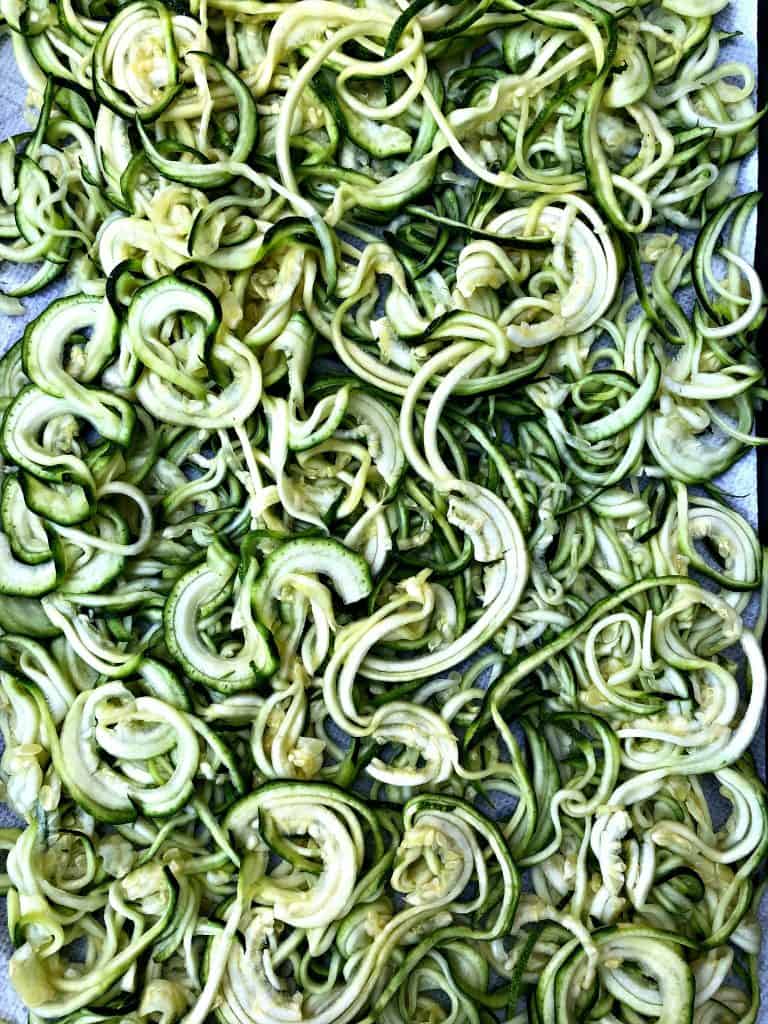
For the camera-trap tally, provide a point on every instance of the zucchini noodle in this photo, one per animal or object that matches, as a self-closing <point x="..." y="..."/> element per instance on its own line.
<point x="377" y="643"/>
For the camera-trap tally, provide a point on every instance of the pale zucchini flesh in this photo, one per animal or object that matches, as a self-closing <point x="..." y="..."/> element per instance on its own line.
<point x="375" y="630"/>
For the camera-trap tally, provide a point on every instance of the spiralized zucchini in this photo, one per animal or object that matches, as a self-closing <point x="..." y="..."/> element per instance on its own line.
<point x="376" y="642"/>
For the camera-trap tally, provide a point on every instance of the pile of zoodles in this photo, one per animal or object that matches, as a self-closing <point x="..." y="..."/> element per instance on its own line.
<point x="377" y="643"/>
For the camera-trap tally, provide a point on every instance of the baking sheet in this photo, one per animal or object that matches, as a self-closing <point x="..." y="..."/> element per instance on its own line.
<point x="740" y="482"/>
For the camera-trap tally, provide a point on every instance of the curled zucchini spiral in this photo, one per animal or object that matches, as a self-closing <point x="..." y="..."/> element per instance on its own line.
<point x="379" y="639"/>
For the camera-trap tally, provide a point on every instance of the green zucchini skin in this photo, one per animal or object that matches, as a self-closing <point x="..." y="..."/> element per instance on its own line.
<point x="376" y="621"/>
<point x="192" y="593"/>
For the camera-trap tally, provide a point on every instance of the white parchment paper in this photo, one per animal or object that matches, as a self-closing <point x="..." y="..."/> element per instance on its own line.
<point x="740" y="482"/>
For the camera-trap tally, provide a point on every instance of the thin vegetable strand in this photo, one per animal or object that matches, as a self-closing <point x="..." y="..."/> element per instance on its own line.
<point x="377" y="643"/>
